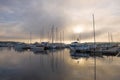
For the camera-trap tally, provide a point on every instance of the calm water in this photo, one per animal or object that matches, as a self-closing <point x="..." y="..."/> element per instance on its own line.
<point x="55" y="65"/>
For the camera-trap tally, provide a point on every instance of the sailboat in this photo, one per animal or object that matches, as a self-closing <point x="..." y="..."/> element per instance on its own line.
<point x="36" y="47"/>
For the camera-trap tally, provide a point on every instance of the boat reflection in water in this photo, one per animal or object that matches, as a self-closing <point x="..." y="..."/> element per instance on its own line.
<point x="79" y="55"/>
<point x="56" y="64"/>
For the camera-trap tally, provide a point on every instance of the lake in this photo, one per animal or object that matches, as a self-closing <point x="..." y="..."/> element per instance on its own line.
<point x="55" y="65"/>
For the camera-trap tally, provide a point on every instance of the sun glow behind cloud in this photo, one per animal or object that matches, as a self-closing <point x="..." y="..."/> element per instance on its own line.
<point x="38" y="16"/>
<point x="78" y="29"/>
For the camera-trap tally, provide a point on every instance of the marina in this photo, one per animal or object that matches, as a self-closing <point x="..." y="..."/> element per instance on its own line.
<point x="59" y="40"/>
<point x="103" y="48"/>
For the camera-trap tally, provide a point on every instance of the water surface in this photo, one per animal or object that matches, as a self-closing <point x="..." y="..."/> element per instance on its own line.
<point x="55" y="65"/>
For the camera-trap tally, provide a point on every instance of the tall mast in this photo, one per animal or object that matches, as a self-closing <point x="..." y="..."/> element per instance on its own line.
<point x="94" y="47"/>
<point x="43" y="34"/>
<point x="63" y="36"/>
<point x="40" y="37"/>
<point x="109" y="37"/>
<point x="56" y="34"/>
<point x="60" y="38"/>
<point x="48" y="36"/>
<point x="52" y="31"/>
<point x="80" y="38"/>
<point x="30" y="37"/>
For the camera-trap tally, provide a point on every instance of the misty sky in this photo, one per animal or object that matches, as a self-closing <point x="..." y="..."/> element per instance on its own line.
<point x="20" y="17"/>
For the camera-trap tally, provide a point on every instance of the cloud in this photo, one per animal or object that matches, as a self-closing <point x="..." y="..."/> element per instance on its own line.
<point x="19" y="17"/>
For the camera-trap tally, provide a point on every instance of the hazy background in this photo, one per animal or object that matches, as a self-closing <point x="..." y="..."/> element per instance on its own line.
<point x="19" y="18"/>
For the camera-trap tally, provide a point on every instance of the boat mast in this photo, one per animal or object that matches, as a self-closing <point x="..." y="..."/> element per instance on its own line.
<point x="94" y="47"/>
<point x="60" y="38"/>
<point x="52" y="31"/>
<point x="56" y="34"/>
<point x="80" y="38"/>
<point x="40" y="37"/>
<point x="63" y="37"/>
<point x="109" y="37"/>
<point x="30" y="37"/>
